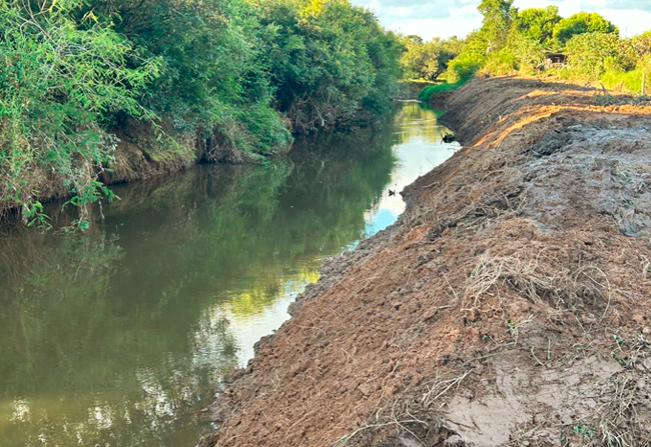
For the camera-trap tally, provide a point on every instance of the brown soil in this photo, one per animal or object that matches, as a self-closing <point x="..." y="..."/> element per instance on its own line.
<point x="139" y="155"/>
<point x="508" y="306"/>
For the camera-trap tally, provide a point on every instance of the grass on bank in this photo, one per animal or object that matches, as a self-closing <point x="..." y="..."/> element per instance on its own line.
<point x="430" y="90"/>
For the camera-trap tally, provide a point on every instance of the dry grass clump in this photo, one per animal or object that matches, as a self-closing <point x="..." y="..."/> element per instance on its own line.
<point x="536" y="280"/>
<point x="622" y="416"/>
<point x="416" y="417"/>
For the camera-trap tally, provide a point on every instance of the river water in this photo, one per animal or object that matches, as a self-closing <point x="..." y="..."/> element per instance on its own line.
<point x="120" y="336"/>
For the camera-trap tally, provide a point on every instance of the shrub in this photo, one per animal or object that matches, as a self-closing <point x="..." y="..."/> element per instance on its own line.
<point x="590" y="55"/>
<point x="461" y="70"/>
<point x="211" y="75"/>
<point x="502" y="62"/>
<point x="57" y="82"/>
<point x="428" y="91"/>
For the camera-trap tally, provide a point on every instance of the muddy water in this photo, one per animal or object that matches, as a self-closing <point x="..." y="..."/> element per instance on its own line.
<point x="119" y="337"/>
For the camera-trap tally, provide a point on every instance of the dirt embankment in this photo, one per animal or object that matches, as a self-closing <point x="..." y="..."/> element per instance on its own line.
<point x="141" y="152"/>
<point x="510" y="305"/>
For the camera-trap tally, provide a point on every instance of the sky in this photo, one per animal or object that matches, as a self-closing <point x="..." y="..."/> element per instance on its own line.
<point x="446" y="18"/>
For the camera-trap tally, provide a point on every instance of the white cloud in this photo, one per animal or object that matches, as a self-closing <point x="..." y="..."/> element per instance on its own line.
<point x="458" y="17"/>
<point x="459" y="23"/>
<point x="629" y="22"/>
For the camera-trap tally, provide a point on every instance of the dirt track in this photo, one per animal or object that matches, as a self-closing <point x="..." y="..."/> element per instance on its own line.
<point x="508" y="306"/>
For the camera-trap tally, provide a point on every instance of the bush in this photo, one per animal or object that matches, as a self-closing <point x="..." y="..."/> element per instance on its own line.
<point x="329" y="61"/>
<point x="501" y="62"/>
<point x="57" y="82"/>
<point x="590" y="55"/>
<point x="211" y="76"/>
<point x="461" y="69"/>
<point x="428" y="91"/>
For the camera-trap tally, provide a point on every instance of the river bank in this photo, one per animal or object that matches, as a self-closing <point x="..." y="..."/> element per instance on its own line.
<point x="507" y="306"/>
<point x="140" y="153"/>
<point x="119" y="335"/>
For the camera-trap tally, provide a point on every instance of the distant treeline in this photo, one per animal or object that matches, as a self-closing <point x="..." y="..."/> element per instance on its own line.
<point x="238" y="73"/>
<point x="525" y="41"/>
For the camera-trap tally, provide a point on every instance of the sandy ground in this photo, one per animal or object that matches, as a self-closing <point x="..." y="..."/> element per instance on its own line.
<point x="508" y="306"/>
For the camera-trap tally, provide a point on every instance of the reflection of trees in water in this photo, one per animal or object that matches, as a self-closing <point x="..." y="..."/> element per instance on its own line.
<point x="414" y="122"/>
<point x="111" y="337"/>
<point x="77" y="368"/>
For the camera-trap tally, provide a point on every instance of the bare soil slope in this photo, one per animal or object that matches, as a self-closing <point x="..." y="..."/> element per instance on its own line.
<point x="510" y="305"/>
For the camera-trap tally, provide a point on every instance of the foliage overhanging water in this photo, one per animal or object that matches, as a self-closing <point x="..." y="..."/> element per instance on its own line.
<point x="119" y="337"/>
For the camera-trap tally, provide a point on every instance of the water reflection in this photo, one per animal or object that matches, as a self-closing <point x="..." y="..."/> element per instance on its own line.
<point x="119" y="337"/>
<point x="418" y="147"/>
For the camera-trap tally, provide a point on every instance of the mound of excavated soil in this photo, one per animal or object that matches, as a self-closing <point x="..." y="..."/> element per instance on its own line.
<point x="510" y="305"/>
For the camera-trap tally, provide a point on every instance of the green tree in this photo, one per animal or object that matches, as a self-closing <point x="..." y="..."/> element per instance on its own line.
<point x="469" y="60"/>
<point x="330" y="62"/>
<point x="538" y="24"/>
<point x="427" y="60"/>
<point x="528" y="51"/>
<point x="590" y="55"/>
<point x="529" y="37"/>
<point x="498" y="17"/>
<point x="486" y="43"/>
<point x="580" y="23"/>
<point x="212" y="83"/>
<point x="215" y="74"/>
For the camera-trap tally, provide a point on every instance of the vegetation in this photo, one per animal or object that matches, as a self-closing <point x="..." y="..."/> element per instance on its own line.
<point x="58" y="79"/>
<point x="582" y="23"/>
<point x="328" y="61"/>
<point x="94" y="322"/>
<point x="538" y="24"/>
<point x="224" y="73"/>
<point x="427" y="92"/>
<point x="525" y="41"/>
<point x="592" y="54"/>
<point x="204" y="77"/>
<point x="428" y="60"/>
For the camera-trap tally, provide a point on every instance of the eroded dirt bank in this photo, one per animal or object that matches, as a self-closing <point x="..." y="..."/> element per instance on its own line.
<point x="510" y="305"/>
<point x="139" y="154"/>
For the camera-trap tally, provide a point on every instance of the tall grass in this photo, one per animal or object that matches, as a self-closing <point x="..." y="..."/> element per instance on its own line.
<point x="629" y="81"/>
<point x="430" y="90"/>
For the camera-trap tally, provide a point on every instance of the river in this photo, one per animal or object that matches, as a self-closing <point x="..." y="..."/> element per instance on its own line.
<point x="120" y="336"/>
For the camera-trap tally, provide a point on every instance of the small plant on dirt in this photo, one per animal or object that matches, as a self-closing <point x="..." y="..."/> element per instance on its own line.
<point x="584" y="430"/>
<point x="630" y="353"/>
<point x="621" y="361"/>
<point x="646" y="265"/>
<point x="605" y="100"/>
<point x="619" y="340"/>
<point x="513" y="329"/>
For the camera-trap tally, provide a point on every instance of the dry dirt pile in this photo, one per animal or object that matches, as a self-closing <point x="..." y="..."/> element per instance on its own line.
<point x="510" y="305"/>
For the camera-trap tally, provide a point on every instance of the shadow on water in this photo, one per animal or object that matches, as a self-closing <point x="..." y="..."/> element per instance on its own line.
<point x="119" y="336"/>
